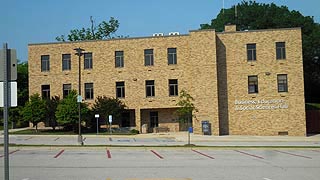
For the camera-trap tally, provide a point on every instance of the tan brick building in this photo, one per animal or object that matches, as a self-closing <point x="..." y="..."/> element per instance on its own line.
<point x="243" y="82"/>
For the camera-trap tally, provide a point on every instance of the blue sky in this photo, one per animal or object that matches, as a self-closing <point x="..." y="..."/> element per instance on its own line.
<point x="35" y="21"/>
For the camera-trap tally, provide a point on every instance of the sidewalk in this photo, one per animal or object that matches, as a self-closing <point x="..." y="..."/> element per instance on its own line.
<point x="167" y="139"/>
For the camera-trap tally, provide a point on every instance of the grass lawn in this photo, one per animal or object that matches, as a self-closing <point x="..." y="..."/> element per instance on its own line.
<point x="64" y="132"/>
<point x="43" y="132"/>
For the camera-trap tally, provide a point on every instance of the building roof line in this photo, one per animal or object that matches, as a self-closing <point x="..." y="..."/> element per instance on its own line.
<point x="260" y="30"/>
<point x="114" y="39"/>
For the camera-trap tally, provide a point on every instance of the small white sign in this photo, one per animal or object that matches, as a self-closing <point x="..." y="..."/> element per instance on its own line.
<point x="96" y="116"/>
<point x="110" y="118"/>
<point x="13" y="92"/>
<point x="79" y="99"/>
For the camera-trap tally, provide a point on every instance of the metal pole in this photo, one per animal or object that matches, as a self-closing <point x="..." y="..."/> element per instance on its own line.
<point x="97" y="126"/>
<point x="79" y="103"/>
<point x="5" y="111"/>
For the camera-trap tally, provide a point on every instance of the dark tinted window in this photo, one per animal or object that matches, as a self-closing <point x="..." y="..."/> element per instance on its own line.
<point x="88" y="90"/>
<point x="253" y="84"/>
<point x="281" y="50"/>
<point x="173" y="87"/>
<point x="172" y="55"/>
<point x="282" y="83"/>
<point x="45" y="63"/>
<point x="148" y="57"/>
<point x="119" y="60"/>
<point x="150" y="92"/>
<point x="251" y="52"/>
<point x="120" y="88"/>
<point x="87" y="60"/>
<point x="66" y="62"/>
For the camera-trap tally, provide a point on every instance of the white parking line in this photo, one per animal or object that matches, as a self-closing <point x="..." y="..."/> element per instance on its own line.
<point x="267" y="179"/>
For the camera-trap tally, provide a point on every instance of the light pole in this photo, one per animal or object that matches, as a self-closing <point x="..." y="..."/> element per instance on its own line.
<point x="79" y="53"/>
<point x="97" y="117"/>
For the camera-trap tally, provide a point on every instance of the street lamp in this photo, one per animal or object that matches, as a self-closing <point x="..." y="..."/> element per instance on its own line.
<point x="79" y="53"/>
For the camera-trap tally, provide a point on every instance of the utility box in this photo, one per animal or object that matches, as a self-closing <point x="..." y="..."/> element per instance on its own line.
<point x="206" y="127"/>
<point x="144" y="129"/>
<point x="9" y="55"/>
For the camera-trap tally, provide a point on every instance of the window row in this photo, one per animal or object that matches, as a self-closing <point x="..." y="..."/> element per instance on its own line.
<point x="280" y="51"/>
<point x="119" y="59"/>
<point x="120" y="89"/>
<point x="282" y="82"/>
<point x="150" y="88"/>
<point x="66" y="89"/>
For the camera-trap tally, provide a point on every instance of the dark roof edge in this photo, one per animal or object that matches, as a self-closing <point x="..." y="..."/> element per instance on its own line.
<point x="115" y="39"/>
<point x="260" y="30"/>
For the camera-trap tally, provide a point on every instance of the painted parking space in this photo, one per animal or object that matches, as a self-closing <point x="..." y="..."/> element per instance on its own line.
<point x="159" y="161"/>
<point x="293" y="154"/>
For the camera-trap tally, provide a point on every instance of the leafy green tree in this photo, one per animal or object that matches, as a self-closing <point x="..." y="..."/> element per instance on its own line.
<point x="34" y="110"/>
<point x="103" y="30"/>
<point x="22" y="82"/>
<point x="252" y="15"/>
<point x="67" y="113"/>
<point x="52" y="105"/>
<point x="105" y="106"/>
<point x="185" y="112"/>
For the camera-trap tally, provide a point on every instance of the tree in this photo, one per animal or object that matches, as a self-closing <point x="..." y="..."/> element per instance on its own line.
<point x="52" y="105"/>
<point x="67" y="113"/>
<point x="105" y="106"/>
<point x="104" y="30"/>
<point x="252" y="15"/>
<point x="186" y="109"/>
<point x="22" y="82"/>
<point x="185" y="112"/>
<point x="34" y="110"/>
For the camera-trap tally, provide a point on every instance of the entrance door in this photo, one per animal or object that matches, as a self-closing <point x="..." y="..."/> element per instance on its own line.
<point x="154" y="119"/>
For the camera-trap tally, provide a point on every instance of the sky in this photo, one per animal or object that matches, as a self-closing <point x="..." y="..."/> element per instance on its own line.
<point x="23" y="22"/>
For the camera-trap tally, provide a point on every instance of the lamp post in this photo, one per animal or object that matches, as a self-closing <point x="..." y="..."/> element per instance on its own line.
<point x="79" y="53"/>
<point x="97" y="117"/>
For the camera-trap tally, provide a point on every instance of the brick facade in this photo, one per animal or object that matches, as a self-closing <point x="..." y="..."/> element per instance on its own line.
<point x="211" y="66"/>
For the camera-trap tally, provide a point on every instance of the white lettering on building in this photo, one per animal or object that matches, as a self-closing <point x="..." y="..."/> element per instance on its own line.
<point x="263" y="104"/>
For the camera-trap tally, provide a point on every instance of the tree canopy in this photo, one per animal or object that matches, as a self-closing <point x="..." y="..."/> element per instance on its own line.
<point x="186" y="106"/>
<point x="67" y="113"/>
<point x="34" y="110"/>
<point x="251" y="15"/>
<point x="103" y="30"/>
<point x="106" y="106"/>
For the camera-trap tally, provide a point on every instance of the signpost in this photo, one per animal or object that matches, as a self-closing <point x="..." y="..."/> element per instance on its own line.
<point x="110" y="122"/>
<point x="97" y="117"/>
<point x="8" y="73"/>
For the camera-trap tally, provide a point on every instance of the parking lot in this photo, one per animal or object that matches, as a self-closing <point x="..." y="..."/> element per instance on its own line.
<point x="104" y="163"/>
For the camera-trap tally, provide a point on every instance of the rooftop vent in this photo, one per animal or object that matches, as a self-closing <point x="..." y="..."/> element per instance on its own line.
<point x="157" y="34"/>
<point x="174" y="33"/>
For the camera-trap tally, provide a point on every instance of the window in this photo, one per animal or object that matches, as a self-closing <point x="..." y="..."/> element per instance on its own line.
<point x="66" y="62"/>
<point x="120" y="89"/>
<point x="173" y="87"/>
<point x="119" y="61"/>
<point x="251" y="52"/>
<point x="281" y="50"/>
<point x="253" y="84"/>
<point x="45" y="91"/>
<point x="150" y="88"/>
<point x="45" y="63"/>
<point x="88" y="90"/>
<point x="282" y="83"/>
<point x="66" y="90"/>
<point x="172" y="55"/>
<point x="148" y="57"/>
<point x="87" y="60"/>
